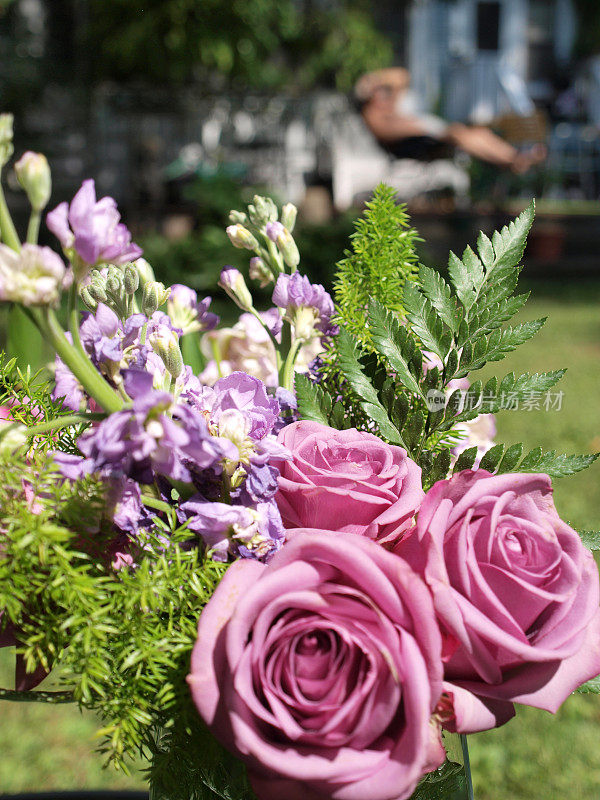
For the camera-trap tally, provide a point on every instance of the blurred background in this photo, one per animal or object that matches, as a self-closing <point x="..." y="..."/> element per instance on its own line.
<point x="183" y="109"/>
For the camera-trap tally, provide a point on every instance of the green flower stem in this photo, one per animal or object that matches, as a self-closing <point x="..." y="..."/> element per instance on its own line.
<point x="80" y="366"/>
<point x="284" y="349"/>
<point x="63" y="422"/>
<point x="8" y="232"/>
<point x="290" y="363"/>
<point x="73" y="318"/>
<point x="153" y="502"/>
<point x="286" y="372"/>
<point x="274" y="341"/>
<point x="465" y="750"/>
<point x="276" y="256"/>
<point x="33" y="228"/>
<point x="214" y="347"/>
<point x="53" y="698"/>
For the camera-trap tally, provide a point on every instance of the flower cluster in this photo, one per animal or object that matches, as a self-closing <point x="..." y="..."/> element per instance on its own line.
<point x="203" y="446"/>
<point x="302" y="312"/>
<point x="369" y="599"/>
<point x="331" y="670"/>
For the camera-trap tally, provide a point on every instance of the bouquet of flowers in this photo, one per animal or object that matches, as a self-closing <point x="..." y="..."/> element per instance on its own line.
<point x="287" y="573"/>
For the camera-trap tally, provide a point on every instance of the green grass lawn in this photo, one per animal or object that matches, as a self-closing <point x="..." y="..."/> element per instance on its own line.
<point x="535" y="757"/>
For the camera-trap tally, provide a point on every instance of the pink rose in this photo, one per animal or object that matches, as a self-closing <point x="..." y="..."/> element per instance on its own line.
<point x="515" y="591"/>
<point x="321" y="670"/>
<point x="346" y="481"/>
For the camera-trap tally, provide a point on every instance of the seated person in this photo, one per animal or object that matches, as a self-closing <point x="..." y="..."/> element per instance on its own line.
<point x="390" y="112"/>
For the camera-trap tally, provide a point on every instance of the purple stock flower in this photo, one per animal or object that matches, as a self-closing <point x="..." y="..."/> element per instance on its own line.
<point x="235" y="529"/>
<point x="146" y="440"/>
<point x="271" y="534"/>
<point x="293" y="292"/>
<point x="98" y="334"/>
<point x="124" y="503"/>
<point x="289" y="408"/>
<point x="111" y="345"/>
<point x="261" y="483"/>
<point x="272" y="319"/>
<point x="187" y="312"/>
<point x="93" y="228"/>
<point x="66" y="384"/>
<point x="238" y="392"/>
<point x="206" y="318"/>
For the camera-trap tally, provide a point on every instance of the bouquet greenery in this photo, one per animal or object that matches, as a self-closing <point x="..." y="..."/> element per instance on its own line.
<point x="285" y="573"/>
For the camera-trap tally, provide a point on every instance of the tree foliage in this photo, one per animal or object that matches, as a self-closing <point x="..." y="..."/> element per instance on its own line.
<point x="256" y="43"/>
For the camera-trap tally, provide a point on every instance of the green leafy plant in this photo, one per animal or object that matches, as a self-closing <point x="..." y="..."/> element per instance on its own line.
<point x="382" y="260"/>
<point x="457" y="327"/>
<point x="121" y="640"/>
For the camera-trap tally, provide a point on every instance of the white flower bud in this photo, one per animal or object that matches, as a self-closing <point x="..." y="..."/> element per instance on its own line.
<point x="234" y="284"/>
<point x="131" y="279"/>
<point x="6" y="138"/>
<point x="262" y="210"/>
<point x="145" y="271"/>
<point x="97" y="291"/>
<point x="288" y="248"/>
<point x="166" y="345"/>
<point x="288" y="216"/>
<point x="155" y="295"/>
<point x="238" y="217"/>
<point x="88" y="299"/>
<point x="33" y="173"/>
<point x="241" y="237"/>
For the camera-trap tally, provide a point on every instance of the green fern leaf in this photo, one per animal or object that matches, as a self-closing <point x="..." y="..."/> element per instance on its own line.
<point x="439" y="294"/>
<point x="425" y="322"/>
<point x="465" y="460"/>
<point x="351" y="369"/>
<point x="313" y="402"/>
<point x="393" y="342"/>
<point x="562" y="465"/>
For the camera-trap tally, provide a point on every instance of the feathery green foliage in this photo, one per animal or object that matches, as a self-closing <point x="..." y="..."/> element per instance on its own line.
<point x="410" y="394"/>
<point x="121" y="640"/>
<point x="28" y="395"/>
<point x="382" y="260"/>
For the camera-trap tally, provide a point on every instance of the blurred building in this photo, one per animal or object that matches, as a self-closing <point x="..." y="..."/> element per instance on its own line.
<point x="510" y="63"/>
<point x="476" y="59"/>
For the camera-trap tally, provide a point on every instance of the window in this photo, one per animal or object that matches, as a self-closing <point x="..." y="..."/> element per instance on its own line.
<point x="488" y="26"/>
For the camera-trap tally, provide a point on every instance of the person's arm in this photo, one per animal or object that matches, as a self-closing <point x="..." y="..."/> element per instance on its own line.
<point x="391" y="127"/>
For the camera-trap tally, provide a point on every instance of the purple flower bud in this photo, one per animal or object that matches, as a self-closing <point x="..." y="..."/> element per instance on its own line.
<point x="274" y="229"/>
<point x="296" y="292"/>
<point x="234" y="284"/>
<point x="183" y="296"/>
